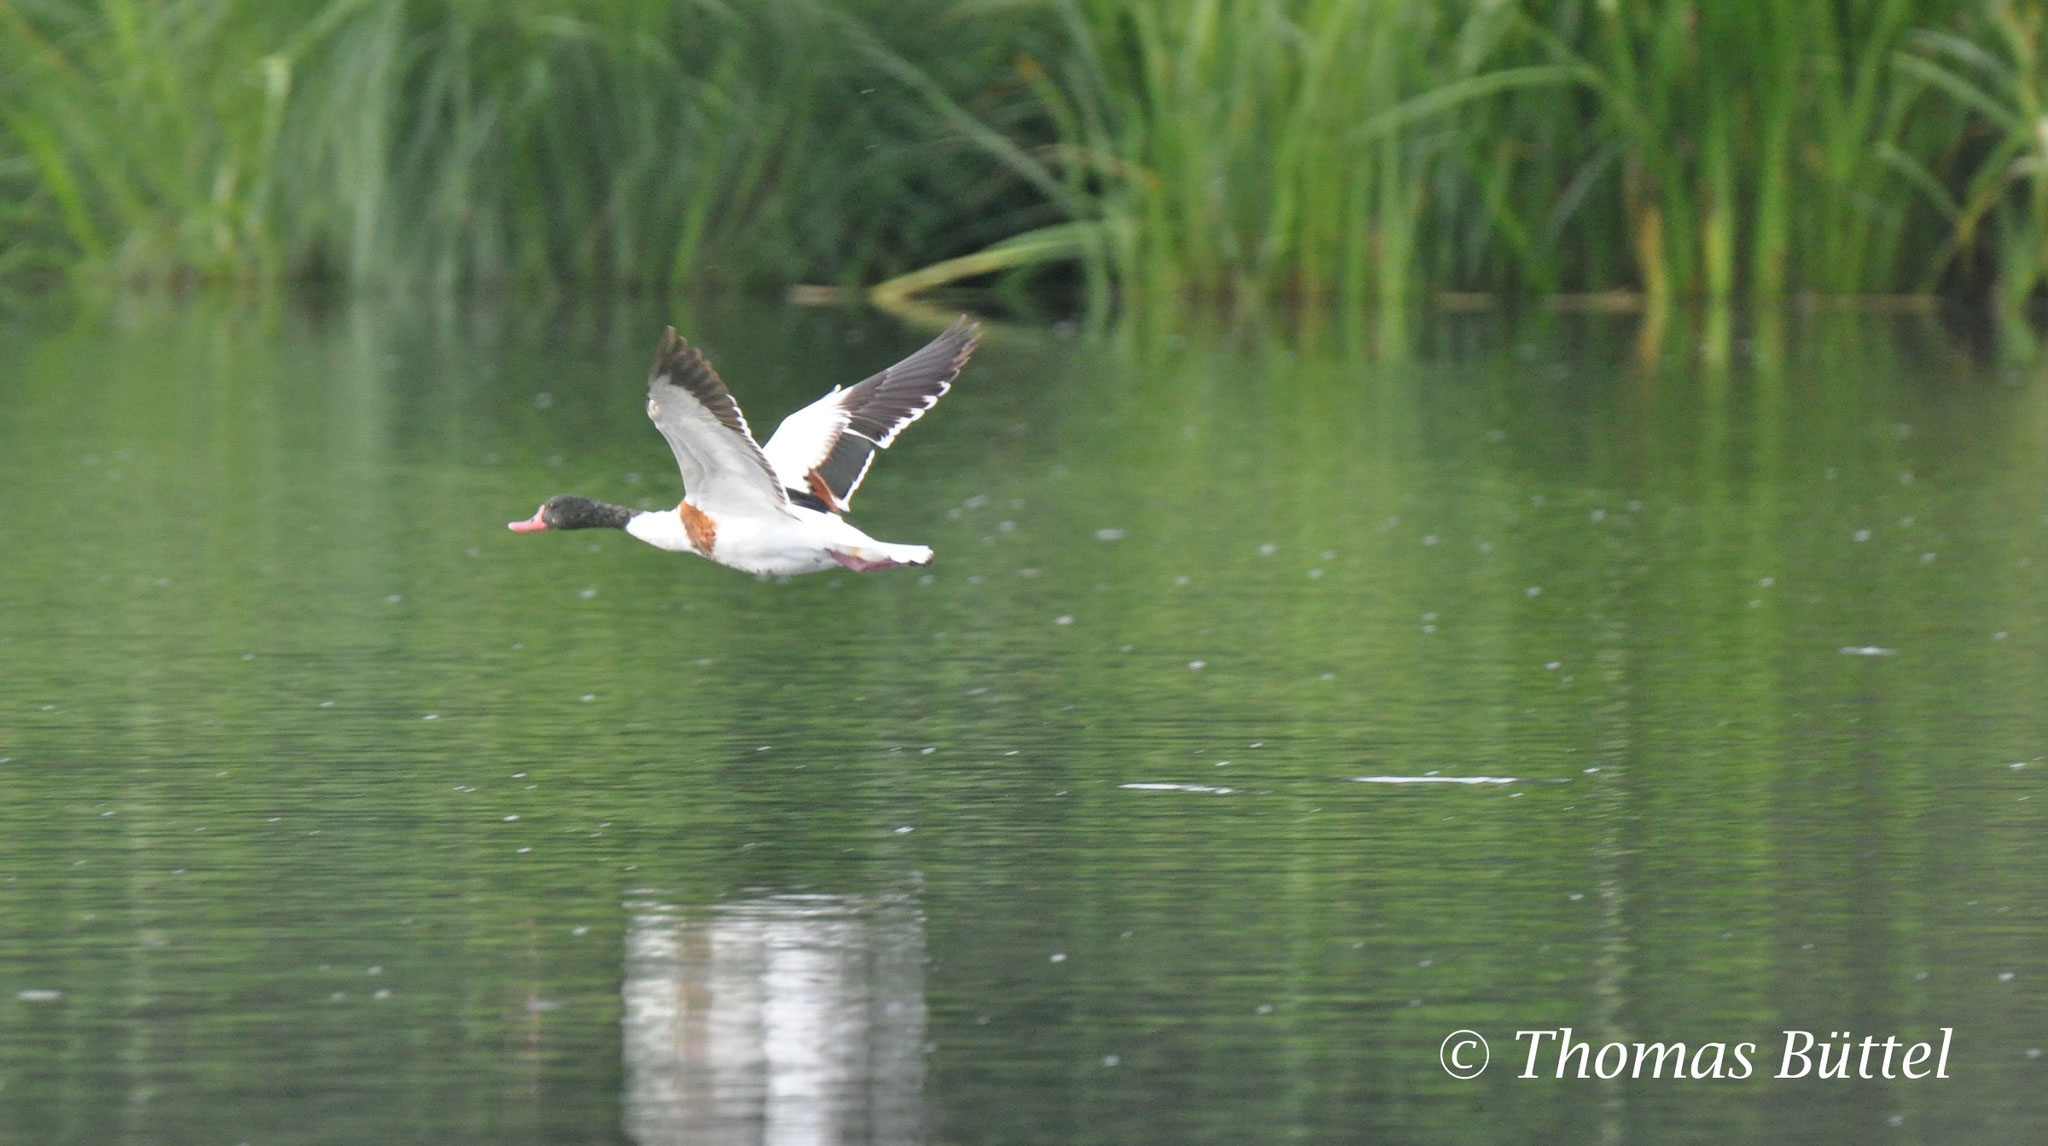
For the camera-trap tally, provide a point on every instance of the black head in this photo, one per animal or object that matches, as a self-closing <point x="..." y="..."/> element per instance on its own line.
<point x="568" y="511"/>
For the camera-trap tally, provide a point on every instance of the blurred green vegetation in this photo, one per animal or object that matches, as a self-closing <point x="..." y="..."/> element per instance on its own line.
<point x="1122" y="151"/>
<point x="609" y="141"/>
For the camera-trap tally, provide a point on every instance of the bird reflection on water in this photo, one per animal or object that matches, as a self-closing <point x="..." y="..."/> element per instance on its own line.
<point x="796" y="1020"/>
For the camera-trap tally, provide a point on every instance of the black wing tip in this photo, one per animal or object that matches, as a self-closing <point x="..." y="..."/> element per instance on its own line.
<point x="953" y="346"/>
<point x="673" y="353"/>
<point x="967" y="332"/>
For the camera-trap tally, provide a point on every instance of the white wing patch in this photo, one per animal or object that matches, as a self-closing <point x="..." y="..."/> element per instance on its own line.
<point x="805" y="438"/>
<point x="724" y="472"/>
<point x="825" y="448"/>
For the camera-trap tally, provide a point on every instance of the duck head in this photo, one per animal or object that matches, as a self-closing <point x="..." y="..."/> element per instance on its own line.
<point x="568" y="511"/>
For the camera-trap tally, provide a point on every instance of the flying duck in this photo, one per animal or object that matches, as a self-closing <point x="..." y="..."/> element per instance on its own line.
<point x="774" y="508"/>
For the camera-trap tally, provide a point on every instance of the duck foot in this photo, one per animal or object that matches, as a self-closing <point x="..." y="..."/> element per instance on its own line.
<point x="862" y="564"/>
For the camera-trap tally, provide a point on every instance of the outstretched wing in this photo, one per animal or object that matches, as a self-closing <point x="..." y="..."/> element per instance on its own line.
<point x="824" y="449"/>
<point x="723" y="470"/>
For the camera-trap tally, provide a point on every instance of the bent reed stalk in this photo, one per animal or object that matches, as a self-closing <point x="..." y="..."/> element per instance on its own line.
<point x="1178" y="152"/>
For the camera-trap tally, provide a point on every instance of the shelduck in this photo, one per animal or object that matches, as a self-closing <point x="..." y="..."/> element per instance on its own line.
<point x="775" y="508"/>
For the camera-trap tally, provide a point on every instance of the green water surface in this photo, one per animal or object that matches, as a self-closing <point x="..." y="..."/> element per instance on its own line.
<point x="333" y="812"/>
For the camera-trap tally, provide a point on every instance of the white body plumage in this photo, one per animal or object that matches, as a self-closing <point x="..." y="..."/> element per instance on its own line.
<point x="804" y="541"/>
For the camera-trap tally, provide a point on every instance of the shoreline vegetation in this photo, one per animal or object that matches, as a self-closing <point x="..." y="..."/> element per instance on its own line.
<point x="1117" y="155"/>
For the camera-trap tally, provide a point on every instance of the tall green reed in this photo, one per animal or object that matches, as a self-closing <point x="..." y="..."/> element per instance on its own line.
<point x="1733" y="148"/>
<point x="1992" y="75"/>
<point x="1318" y="153"/>
<point x="1255" y="151"/>
<point x="140" y="135"/>
<point x="620" y="140"/>
<point x="1362" y="149"/>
